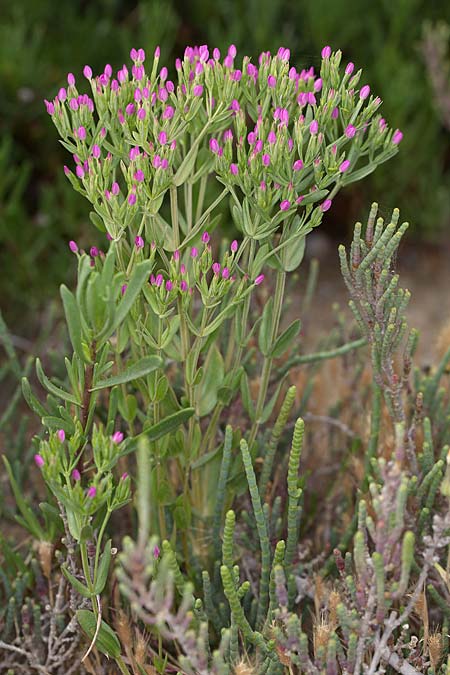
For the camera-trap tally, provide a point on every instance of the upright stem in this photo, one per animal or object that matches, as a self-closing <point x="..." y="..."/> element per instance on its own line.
<point x="174" y="215"/>
<point x="268" y="360"/>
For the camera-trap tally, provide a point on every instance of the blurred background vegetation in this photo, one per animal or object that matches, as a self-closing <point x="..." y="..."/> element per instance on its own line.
<point x="41" y="40"/>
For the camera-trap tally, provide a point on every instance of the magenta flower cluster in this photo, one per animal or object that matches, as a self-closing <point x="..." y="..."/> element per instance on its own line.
<point x="301" y="126"/>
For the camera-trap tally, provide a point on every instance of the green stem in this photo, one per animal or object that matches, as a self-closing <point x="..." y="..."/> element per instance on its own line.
<point x="209" y="436"/>
<point x="268" y="360"/>
<point x="320" y="356"/>
<point x="174" y="215"/>
<point x="122" y="667"/>
<point x="99" y="542"/>
<point x="201" y="197"/>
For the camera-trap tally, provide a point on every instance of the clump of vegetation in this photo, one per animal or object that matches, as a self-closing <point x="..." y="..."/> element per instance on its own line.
<point x="179" y="530"/>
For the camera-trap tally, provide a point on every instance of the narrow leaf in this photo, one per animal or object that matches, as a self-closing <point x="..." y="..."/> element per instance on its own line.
<point x="76" y="583"/>
<point x="73" y="320"/>
<point x="141" y="368"/>
<point x="107" y="641"/>
<point x="103" y="569"/>
<point x="52" y="388"/>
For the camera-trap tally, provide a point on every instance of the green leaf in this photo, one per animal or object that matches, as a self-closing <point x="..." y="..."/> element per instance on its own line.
<point x="283" y="342"/>
<point x="141" y="368"/>
<point x="246" y="396"/>
<point x="168" y="424"/>
<point x="32" y="522"/>
<point x="76" y="583"/>
<point x="182" y="513"/>
<point x="97" y="221"/>
<point x="265" y="328"/>
<point x="35" y="405"/>
<point x="186" y="166"/>
<point x="52" y="388"/>
<point x="258" y="262"/>
<point x="138" y="278"/>
<point x="58" y="423"/>
<point x="213" y="373"/>
<point x="103" y="569"/>
<point x="73" y="319"/>
<point x="293" y="254"/>
<point x="107" y="641"/>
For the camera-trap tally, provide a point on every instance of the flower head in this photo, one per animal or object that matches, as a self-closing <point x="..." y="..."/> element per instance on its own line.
<point x="397" y="137"/>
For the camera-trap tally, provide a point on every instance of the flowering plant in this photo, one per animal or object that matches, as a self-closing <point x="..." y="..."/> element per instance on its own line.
<point x="166" y="340"/>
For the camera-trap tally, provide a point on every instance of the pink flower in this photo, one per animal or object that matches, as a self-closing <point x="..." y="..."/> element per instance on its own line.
<point x="298" y="164"/>
<point x="123" y="289"/>
<point x="326" y="205"/>
<point x="96" y="152"/>
<point x="225" y="273"/>
<point x="214" y="145"/>
<point x="71" y="80"/>
<point x="194" y="252"/>
<point x="183" y="286"/>
<point x="87" y="72"/>
<point x="259" y="279"/>
<point x="73" y="246"/>
<point x="344" y="166"/>
<point x="115" y="188"/>
<point x="364" y="93"/>
<point x="198" y="90"/>
<point x="132" y="198"/>
<point x="39" y="461"/>
<point x="326" y="52"/>
<point x="205" y="237"/>
<point x="169" y="285"/>
<point x="285" y="205"/>
<point x="266" y="159"/>
<point x="79" y="171"/>
<point x="139" y="242"/>
<point x="92" y="491"/>
<point x="397" y="137"/>
<point x="117" y="437"/>
<point x="350" y="131"/>
<point x="94" y="251"/>
<point x="139" y="176"/>
<point x="234" y="246"/>
<point x="314" y="127"/>
<point x="234" y="169"/>
<point x="271" y="81"/>
<point x="335" y="113"/>
<point x="61" y="435"/>
<point x="349" y="68"/>
<point x="76" y="474"/>
<point x="216" y="268"/>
